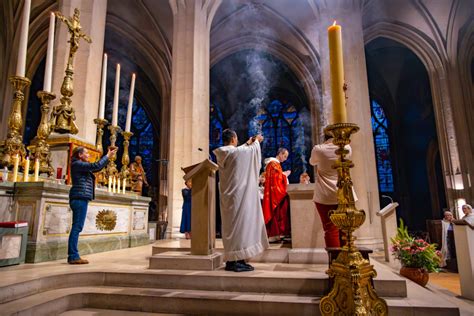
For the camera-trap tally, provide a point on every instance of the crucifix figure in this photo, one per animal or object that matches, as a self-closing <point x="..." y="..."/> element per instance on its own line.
<point x="63" y="116"/>
<point x="74" y="27"/>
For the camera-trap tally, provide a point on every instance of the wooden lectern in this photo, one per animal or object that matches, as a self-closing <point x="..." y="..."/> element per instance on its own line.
<point x="203" y="210"/>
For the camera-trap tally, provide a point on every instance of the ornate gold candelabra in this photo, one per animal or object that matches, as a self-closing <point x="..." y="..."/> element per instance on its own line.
<point x="14" y="143"/>
<point x="125" y="157"/>
<point x="352" y="293"/>
<point x="101" y="123"/>
<point x="63" y="116"/>
<point x="40" y="148"/>
<point x="111" y="169"/>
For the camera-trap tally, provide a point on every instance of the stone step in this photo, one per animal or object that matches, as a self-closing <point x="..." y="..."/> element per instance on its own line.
<point x="313" y="282"/>
<point x="110" y="312"/>
<point x="149" y="300"/>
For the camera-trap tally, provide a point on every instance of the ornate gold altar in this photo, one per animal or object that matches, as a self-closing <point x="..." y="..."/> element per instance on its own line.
<point x="353" y="292"/>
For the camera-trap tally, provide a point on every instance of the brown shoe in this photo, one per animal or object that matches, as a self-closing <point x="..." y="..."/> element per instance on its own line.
<point x="78" y="261"/>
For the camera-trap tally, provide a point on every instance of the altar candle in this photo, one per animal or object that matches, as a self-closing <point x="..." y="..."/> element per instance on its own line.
<point x="26" y="169"/>
<point x="37" y="167"/>
<point x="130" y="105"/>
<point x="114" y="185"/>
<point x="118" y="185"/>
<point x="103" y="88"/>
<point x="124" y="185"/>
<point x="116" y="96"/>
<point x="21" y="63"/>
<point x="336" y="63"/>
<point x="110" y="184"/>
<point x="16" y="161"/>
<point x="48" y="71"/>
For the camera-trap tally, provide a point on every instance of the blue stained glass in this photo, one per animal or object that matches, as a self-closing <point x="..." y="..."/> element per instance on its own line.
<point x="216" y="126"/>
<point x="281" y="126"/>
<point x="382" y="148"/>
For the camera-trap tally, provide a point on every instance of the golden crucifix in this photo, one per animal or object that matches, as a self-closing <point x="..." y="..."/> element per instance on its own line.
<point x="63" y="116"/>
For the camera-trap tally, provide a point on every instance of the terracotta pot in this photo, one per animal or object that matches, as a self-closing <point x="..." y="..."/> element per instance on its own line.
<point x="417" y="275"/>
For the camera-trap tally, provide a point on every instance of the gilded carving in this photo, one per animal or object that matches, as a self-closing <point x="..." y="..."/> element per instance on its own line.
<point x="106" y="220"/>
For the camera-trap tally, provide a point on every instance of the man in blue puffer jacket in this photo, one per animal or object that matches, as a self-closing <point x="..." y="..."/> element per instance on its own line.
<point x="82" y="191"/>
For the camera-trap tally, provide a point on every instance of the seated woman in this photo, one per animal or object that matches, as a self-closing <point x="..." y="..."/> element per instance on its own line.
<point x="186" y="215"/>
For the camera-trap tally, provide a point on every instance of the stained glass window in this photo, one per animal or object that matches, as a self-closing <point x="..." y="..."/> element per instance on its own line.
<point x="282" y="126"/>
<point x="382" y="148"/>
<point x="216" y="126"/>
<point x="141" y="142"/>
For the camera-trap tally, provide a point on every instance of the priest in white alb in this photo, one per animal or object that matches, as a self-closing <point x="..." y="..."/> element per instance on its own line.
<point x="243" y="229"/>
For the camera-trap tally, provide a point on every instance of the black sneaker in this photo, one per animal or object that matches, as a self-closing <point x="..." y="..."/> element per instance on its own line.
<point x="246" y="264"/>
<point x="237" y="266"/>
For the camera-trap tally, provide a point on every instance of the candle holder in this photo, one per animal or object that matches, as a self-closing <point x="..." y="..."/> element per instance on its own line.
<point x="125" y="157"/>
<point x="353" y="292"/>
<point x="63" y="116"/>
<point x="13" y="144"/>
<point x="40" y="148"/>
<point x="101" y="123"/>
<point x="112" y="167"/>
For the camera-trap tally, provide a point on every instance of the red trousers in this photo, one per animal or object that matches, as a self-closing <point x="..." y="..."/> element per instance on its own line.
<point x="331" y="232"/>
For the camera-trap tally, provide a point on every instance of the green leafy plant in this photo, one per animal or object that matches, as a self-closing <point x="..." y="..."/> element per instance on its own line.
<point x="415" y="253"/>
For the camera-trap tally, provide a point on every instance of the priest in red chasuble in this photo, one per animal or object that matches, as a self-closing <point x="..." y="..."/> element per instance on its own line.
<point x="276" y="203"/>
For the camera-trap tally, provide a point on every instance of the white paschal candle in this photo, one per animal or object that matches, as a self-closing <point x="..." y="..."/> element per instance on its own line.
<point x="48" y="71"/>
<point x="103" y="86"/>
<point x="130" y="105"/>
<point x="25" y="22"/>
<point x="116" y="96"/>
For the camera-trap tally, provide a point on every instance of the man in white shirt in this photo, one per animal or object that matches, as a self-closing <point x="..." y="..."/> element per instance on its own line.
<point x="325" y="191"/>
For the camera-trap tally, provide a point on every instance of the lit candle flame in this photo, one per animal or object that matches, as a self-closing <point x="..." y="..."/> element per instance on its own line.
<point x="334" y="24"/>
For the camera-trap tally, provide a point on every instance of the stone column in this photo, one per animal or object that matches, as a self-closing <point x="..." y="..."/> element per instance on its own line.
<point x="348" y="13"/>
<point x="87" y="63"/>
<point x="189" y="114"/>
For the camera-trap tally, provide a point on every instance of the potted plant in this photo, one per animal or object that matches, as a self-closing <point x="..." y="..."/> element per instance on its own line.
<point x="418" y="258"/>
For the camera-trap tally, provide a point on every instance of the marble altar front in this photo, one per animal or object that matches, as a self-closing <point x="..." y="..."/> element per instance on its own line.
<point x="114" y="221"/>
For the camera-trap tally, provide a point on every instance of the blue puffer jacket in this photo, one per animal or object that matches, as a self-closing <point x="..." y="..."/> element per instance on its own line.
<point x="83" y="179"/>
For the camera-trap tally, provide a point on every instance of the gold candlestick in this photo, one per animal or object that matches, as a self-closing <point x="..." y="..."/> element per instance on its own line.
<point x="112" y="167"/>
<point x="40" y="148"/>
<point x="353" y="292"/>
<point x="101" y="123"/>
<point x="125" y="157"/>
<point x="63" y="116"/>
<point x="14" y="143"/>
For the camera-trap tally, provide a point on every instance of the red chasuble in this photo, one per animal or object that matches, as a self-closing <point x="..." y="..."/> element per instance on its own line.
<point x="275" y="201"/>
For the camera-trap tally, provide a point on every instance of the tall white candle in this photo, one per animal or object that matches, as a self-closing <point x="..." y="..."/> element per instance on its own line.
<point x="116" y="96"/>
<point x="26" y="169"/>
<point x="118" y="184"/>
<point x="48" y="71"/>
<point x="16" y="162"/>
<point x="124" y="185"/>
<point x="130" y="105"/>
<point x="103" y="88"/>
<point x="25" y="22"/>
<point x="110" y="184"/>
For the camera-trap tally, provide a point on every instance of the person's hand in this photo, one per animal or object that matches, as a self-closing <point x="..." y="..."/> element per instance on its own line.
<point x="259" y="137"/>
<point x="287" y="173"/>
<point x="112" y="151"/>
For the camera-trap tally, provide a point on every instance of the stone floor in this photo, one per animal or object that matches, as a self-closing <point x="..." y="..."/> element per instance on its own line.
<point x="135" y="261"/>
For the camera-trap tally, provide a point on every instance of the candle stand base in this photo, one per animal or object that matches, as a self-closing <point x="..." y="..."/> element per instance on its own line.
<point x="353" y="292"/>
